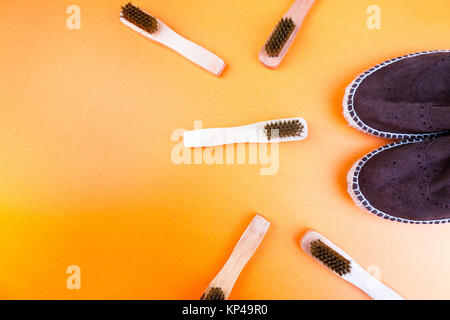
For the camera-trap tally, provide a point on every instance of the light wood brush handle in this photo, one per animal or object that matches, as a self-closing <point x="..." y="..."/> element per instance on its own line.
<point x="241" y="254"/>
<point x="370" y="285"/>
<point x="297" y="13"/>
<point x="191" y="51"/>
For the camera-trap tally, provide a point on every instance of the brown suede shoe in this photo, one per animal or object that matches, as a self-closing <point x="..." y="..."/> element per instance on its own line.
<point x="406" y="181"/>
<point x="403" y="98"/>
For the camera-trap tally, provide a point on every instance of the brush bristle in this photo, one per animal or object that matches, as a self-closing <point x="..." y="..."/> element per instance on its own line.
<point x="279" y="37"/>
<point x="330" y="258"/>
<point x="286" y="129"/>
<point x="213" y="294"/>
<point x="139" y="18"/>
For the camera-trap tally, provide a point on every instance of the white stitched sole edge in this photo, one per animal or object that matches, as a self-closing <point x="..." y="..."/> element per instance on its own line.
<point x="354" y="174"/>
<point x="367" y="129"/>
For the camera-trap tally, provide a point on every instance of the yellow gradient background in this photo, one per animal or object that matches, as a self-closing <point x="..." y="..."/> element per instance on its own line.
<point x="86" y="176"/>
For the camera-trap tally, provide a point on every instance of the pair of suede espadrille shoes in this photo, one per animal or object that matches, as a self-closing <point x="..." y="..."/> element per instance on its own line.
<point x="406" y="99"/>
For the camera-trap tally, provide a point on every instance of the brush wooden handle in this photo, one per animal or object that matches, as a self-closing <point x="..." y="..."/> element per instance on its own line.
<point x="297" y="12"/>
<point x="299" y="9"/>
<point x="370" y="285"/>
<point x="241" y="254"/>
<point x="191" y="51"/>
<point x="219" y="136"/>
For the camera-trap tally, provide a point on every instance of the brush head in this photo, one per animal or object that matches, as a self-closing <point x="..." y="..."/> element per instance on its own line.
<point x="139" y="18"/>
<point x="279" y="37"/>
<point x="286" y="129"/>
<point x="213" y="294"/>
<point x="330" y="258"/>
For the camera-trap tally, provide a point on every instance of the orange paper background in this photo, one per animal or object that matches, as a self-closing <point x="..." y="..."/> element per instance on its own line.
<point x="86" y="176"/>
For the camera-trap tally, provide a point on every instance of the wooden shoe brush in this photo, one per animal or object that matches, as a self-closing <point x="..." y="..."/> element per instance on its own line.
<point x="281" y="130"/>
<point x="221" y="286"/>
<point x="284" y="34"/>
<point x="155" y="30"/>
<point x="332" y="257"/>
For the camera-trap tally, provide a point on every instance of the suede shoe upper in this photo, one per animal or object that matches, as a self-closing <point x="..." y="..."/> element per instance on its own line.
<point x="405" y="181"/>
<point x="407" y="97"/>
